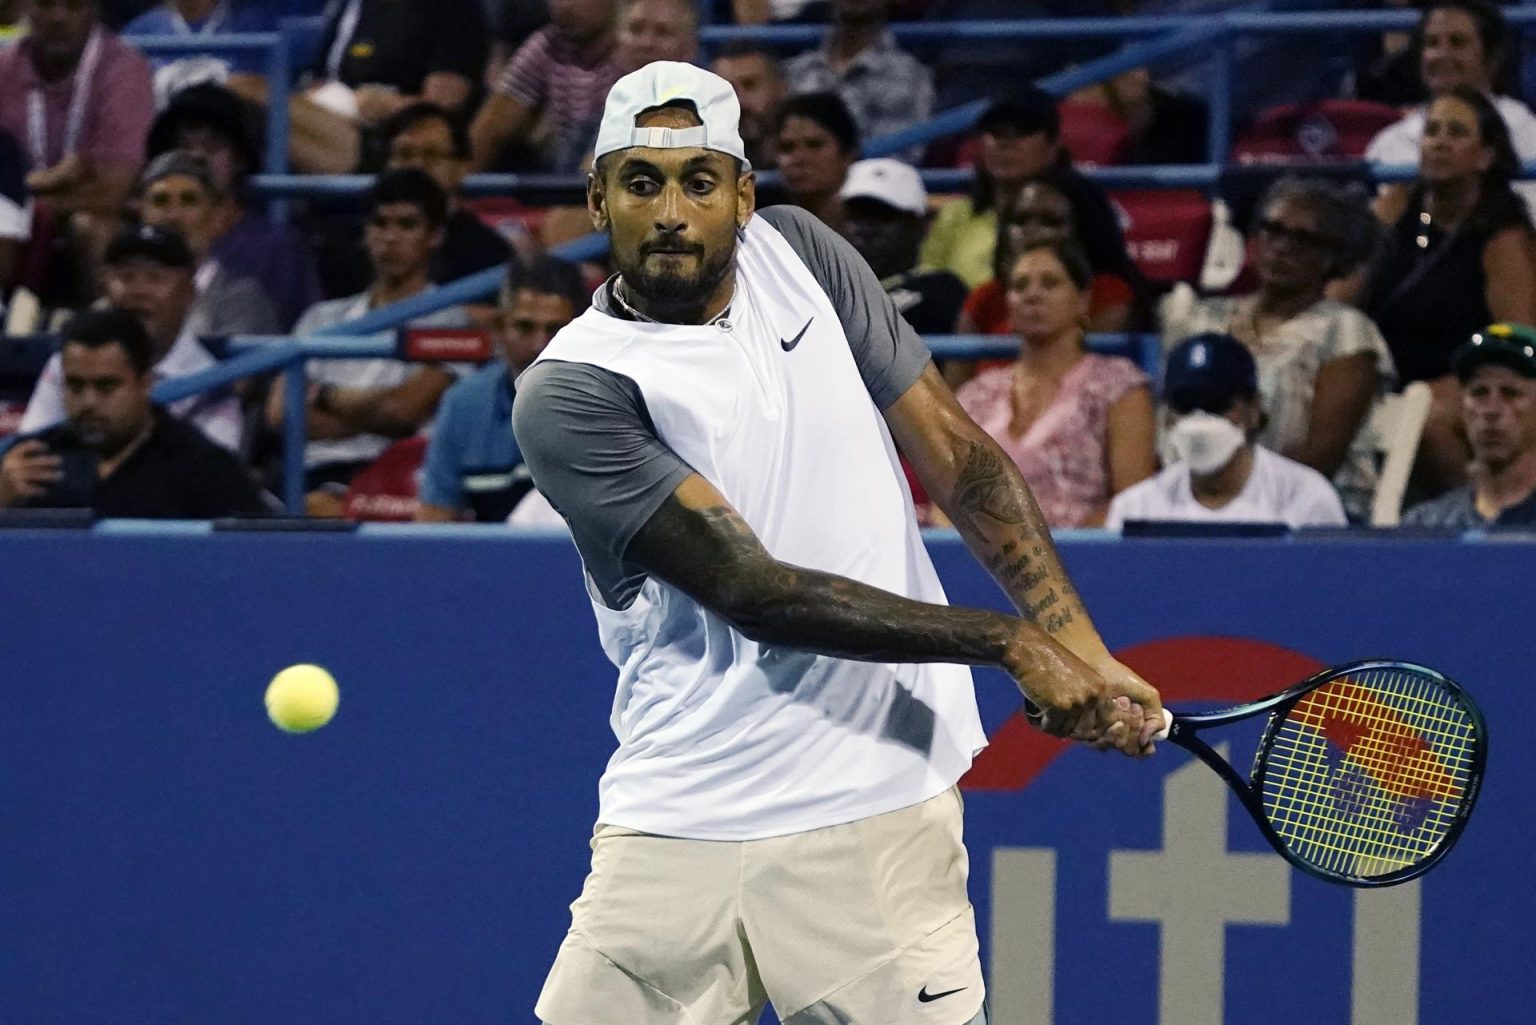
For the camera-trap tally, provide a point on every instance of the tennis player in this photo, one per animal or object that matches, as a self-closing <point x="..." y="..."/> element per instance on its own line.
<point x="780" y="820"/>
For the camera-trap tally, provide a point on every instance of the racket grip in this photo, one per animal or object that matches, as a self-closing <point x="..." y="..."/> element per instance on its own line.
<point x="1162" y="734"/>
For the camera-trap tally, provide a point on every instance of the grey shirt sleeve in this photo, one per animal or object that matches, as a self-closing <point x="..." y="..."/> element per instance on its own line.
<point x="589" y="443"/>
<point x="888" y="352"/>
<point x="238" y="306"/>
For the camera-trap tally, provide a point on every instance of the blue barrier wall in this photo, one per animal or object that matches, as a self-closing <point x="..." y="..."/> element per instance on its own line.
<point x="169" y="857"/>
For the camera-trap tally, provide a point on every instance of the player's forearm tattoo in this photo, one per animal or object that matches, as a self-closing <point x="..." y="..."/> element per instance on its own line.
<point x="982" y="488"/>
<point x="992" y="508"/>
<point x="713" y="555"/>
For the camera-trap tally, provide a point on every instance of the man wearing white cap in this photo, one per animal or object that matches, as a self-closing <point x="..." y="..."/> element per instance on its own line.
<point x="885" y="218"/>
<point x="780" y="821"/>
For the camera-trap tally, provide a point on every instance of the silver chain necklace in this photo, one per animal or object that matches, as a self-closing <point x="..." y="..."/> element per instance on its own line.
<point x="720" y="320"/>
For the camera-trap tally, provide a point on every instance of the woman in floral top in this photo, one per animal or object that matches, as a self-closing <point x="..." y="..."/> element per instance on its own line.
<point x="1078" y="425"/>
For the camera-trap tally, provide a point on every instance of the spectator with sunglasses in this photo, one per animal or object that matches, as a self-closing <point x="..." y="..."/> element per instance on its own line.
<point x="1018" y="140"/>
<point x="1322" y="365"/>
<point x="1042" y="211"/>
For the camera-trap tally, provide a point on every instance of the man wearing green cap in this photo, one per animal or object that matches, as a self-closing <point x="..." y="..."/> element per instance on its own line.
<point x="1497" y="369"/>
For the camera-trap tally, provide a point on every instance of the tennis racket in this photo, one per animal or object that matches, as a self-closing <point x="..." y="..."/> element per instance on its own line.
<point x="1366" y="773"/>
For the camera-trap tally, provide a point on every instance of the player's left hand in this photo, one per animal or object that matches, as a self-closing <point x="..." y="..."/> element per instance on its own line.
<point x="1140" y="706"/>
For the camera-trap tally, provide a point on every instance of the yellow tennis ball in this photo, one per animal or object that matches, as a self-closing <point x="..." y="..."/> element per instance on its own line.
<point x="302" y="698"/>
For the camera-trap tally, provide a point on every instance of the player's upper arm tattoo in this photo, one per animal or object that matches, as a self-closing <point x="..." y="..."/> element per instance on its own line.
<point x="703" y="548"/>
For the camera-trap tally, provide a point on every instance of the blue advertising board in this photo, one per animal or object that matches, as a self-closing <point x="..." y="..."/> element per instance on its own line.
<point x="167" y="856"/>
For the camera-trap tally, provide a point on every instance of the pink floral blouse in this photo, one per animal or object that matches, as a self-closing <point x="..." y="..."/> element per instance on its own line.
<point x="1064" y="455"/>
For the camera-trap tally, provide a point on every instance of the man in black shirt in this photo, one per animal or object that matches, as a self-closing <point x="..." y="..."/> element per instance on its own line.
<point x="375" y="58"/>
<point x="426" y="137"/>
<point x="117" y="453"/>
<point x="391" y="52"/>
<point x="885" y="217"/>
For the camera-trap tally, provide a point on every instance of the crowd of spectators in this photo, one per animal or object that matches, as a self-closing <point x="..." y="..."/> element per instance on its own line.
<point x="131" y="234"/>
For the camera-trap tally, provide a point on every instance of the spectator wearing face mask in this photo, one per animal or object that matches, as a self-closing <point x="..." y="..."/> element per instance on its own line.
<point x="1217" y="472"/>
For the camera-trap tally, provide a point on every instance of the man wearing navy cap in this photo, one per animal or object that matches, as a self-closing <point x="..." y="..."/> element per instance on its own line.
<point x="1497" y="369"/>
<point x="1216" y="472"/>
<point x="780" y="820"/>
<point x="149" y="273"/>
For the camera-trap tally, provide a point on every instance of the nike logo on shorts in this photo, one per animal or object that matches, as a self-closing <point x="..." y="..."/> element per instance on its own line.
<point x="924" y="997"/>
<point x="789" y="346"/>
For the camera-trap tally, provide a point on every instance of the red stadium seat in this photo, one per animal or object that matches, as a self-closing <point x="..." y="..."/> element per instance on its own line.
<point x="1093" y="134"/>
<point x="1166" y="231"/>
<point x="1325" y="130"/>
<point x="507" y="216"/>
<point x="385" y="491"/>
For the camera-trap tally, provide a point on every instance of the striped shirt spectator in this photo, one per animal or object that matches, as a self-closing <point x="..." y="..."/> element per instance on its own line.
<point x="565" y="79"/>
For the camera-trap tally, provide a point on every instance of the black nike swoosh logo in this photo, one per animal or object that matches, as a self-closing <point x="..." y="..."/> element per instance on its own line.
<point x="923" y="996"/>
<point x="789" y="346"/>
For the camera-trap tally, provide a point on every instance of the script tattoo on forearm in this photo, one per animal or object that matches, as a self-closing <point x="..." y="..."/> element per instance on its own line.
<point x="1000" y="520"/>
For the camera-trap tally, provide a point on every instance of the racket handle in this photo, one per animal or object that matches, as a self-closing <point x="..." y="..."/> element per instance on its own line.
<point x="1167" y="726"/>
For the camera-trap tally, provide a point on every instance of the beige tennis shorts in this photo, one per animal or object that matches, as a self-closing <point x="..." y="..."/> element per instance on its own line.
<point x="865" y="923"/>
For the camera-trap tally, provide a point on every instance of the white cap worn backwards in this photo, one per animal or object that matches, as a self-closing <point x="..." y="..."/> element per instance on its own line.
<point x="663" y="82"/>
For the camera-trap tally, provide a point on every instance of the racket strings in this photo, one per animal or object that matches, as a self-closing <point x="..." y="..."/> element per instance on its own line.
<point x="1366" y="775"/>
<point x="1350" y="819"/>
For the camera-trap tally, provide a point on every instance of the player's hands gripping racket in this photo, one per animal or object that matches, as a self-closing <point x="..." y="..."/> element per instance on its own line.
<point x="1366" y="773"/>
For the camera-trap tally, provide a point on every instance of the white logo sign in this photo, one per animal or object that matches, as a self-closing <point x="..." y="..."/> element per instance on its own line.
<point x="1192" y="889"/>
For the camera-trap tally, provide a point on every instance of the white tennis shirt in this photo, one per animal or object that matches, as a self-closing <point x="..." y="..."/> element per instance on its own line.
<point x="722" y="738"/>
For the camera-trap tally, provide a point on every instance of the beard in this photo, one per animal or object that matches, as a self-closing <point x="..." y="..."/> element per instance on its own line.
<point x="103" y="437"/>
<point x="669" y="288"/>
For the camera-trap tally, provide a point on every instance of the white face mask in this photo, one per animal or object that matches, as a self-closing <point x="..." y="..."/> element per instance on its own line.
<point x="1205" y="441"/>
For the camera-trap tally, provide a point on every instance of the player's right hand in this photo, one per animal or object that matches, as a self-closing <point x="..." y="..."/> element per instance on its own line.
<point x="1076" y="701"/>
<point x="27" y="471"/>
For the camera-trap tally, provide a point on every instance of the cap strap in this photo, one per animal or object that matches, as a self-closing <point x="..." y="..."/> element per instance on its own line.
<point x="669" y="138"/>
